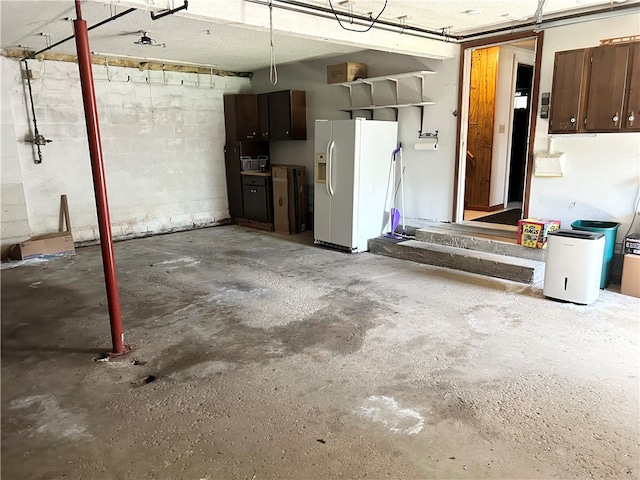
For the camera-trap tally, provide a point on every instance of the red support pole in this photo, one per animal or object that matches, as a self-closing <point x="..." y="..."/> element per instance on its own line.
<point x="99" y="183"/>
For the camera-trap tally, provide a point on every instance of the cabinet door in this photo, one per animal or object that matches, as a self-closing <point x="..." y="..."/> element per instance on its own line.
<point x="234" y="179"/>
<point x="247" y="112"/>
<point x="566" y="91"/>
<point x="288" y="115"/>
<point x="632" y="110"/>
<point x="256" y="205"/>
<point x="606" y="92"/>
<point x="230" y="118"/>
<point x="263" y="117"/>
<point x="280" y="115"/>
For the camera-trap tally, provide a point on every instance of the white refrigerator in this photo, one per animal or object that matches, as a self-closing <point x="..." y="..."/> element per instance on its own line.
<point x="352" y="164"/>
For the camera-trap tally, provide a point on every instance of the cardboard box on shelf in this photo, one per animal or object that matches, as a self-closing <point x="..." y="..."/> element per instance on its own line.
<point x="632" y="244"/>
<point x="532" y="232"/>
<point x="630" y="284"/>
<point x="346" y="72"/>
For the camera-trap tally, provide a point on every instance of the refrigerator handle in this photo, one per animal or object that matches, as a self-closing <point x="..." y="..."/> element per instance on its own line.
<point x="328" y="171"/>
<point x="332" y="144"/>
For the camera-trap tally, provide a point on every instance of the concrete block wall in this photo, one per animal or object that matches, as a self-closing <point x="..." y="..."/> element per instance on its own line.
<point x="162" y="137"/>
<point x="13" y="208"/>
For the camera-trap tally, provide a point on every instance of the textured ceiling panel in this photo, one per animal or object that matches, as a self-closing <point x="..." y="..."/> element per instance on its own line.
<point x="234" y="35"/>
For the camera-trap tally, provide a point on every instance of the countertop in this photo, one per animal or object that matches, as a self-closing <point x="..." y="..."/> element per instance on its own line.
<point x="257" y="173"/>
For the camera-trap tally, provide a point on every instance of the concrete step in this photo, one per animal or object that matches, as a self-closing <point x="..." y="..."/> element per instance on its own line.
<point x="486" y="243"/>
<point x="521" y="270"/>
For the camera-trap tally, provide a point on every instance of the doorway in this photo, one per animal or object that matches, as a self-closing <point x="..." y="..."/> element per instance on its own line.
<point x="519" y="134"/>
<point x="498" y="107"/>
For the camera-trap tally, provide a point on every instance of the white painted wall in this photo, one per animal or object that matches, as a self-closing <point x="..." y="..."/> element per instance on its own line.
<point x="14" y="220"/>
<point x="602" y="180"/>
<point x="162" y="139"/>
<point x="429" y="175"/>
<point x="508" y="59"/>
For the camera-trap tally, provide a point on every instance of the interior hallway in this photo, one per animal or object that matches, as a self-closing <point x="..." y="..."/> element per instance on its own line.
<point x="276" y="358"/>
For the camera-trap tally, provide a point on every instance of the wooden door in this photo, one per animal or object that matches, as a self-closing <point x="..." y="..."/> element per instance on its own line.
<point x="632" y="110"/>
<point x="605" y="94"/>
<point x="566" y="92"/>
<point x="484" y="69"/>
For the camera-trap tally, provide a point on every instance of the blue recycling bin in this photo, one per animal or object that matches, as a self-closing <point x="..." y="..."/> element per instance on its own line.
<point x="609" y="230"/>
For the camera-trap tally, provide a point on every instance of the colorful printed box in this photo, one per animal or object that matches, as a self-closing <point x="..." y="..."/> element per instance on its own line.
<point x="532" y="232"/>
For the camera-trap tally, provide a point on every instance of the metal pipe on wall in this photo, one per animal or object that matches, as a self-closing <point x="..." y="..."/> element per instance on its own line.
<point x="99" y="183"/>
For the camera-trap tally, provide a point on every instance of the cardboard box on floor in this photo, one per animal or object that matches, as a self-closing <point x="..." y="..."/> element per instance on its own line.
<point x="50" y="244"/>
<point x="631" y="275"/>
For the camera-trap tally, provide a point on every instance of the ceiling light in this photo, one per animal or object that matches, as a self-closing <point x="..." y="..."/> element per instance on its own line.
<point x="474" y="11"/>
<point x="148" y="41"/>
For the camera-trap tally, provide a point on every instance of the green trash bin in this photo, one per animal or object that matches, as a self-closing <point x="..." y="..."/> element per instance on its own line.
<point x="609" y="230"/>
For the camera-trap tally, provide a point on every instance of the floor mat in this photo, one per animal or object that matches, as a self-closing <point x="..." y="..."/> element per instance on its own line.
<point x="508" y="217"/>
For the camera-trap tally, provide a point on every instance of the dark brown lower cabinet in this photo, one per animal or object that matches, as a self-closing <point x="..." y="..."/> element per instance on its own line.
<point x="257" y="198"/>
<point x="233" y="165"/>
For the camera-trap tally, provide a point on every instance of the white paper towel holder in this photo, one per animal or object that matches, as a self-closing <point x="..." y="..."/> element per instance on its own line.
<point x="427" y="141"/>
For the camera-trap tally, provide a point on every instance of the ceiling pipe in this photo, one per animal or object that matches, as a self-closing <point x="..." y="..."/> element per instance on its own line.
<point x="617" y="10"/>
<point x="169" y="12"/>
<point x="324" y="12"/>
<point x="99" y="24"/>
<point x="99" y="182"/>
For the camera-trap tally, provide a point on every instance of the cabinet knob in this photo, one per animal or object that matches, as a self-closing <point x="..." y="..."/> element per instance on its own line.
<point x="615" y="118"/>
<point x="572" y="119"/>
<point x="287" y="132"/>
<point x="631" y="118"/>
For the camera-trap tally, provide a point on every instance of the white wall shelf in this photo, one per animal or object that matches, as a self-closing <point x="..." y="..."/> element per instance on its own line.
<point x="395" y="79"/>
<point x="379" y="107"/>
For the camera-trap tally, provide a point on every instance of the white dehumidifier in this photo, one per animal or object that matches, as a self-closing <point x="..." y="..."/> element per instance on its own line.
<point x="574" y="265"/>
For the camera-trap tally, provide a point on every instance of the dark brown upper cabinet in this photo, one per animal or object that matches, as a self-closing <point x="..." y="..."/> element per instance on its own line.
<point x="241" y="117"/>
<point x="596" y="90"/>
<point x="264" y="130"/>
<point x="268" y="116"/>
<point x="288" y="115"/>
<point x="632" y="102"/>
<point x="569" y="76"/>
<point x="607" y="84"/>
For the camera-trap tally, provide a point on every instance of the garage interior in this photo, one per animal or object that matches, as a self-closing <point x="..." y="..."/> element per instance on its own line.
<point x="253" y="353"/>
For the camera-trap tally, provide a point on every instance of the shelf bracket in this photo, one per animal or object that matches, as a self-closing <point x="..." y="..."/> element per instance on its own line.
<point x="350" y="95"/>
<point x="396" y="82"/>
<point x="370" y="90"/>
<point x="422" y="85"/>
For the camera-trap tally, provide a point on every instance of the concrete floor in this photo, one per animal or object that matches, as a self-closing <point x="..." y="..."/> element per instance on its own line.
<point x="278" y="359"/>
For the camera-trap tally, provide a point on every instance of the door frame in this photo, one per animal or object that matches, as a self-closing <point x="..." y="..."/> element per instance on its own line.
<point x="463" y="114"/>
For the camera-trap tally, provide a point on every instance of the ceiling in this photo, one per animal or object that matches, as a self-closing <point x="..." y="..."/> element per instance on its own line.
<point x="234" y="34"/>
